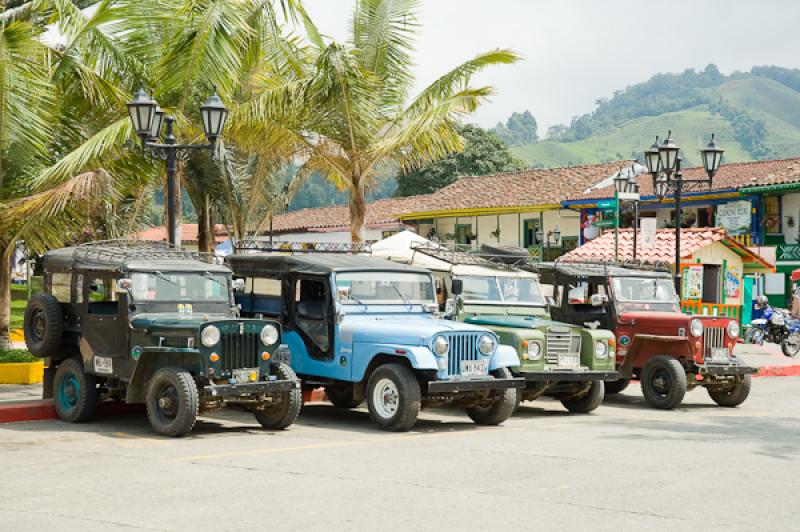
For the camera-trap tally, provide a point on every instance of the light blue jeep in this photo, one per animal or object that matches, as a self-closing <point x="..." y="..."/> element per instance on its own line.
<point x="365" y="328"/>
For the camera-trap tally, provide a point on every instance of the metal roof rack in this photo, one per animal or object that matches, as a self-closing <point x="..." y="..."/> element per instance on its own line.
<point x="467" y="258"/>
<point x="598" y="267"/>
<point x="245" y="246"/>
<point x="125" y="250"/>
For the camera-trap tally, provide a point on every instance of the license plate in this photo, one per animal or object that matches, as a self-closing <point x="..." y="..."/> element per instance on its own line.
<point x="246" y="375"/>
<point x="568" y="361"/>
<point x="720" y="354"/>
<point x="474" y="368"/>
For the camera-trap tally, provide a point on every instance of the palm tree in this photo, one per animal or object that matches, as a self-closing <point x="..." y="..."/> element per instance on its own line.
<point x="349" y="107"/>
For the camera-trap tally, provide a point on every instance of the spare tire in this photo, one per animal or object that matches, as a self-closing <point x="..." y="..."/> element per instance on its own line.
<point x="44" y="325"/>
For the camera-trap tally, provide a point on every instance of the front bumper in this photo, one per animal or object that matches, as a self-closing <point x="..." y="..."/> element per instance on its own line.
<point x="725" y="370"/>
<point x="473" y="385"/>
<point x="249" y="389"/>
<point x="565" y="375"/>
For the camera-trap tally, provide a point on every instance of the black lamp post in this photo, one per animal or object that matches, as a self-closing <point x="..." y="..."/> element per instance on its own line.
<point x="147" y="119"/>
<point x="665" y="169"/>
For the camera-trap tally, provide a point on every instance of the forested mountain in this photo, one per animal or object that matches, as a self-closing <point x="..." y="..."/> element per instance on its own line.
<point x="756" y="115"/>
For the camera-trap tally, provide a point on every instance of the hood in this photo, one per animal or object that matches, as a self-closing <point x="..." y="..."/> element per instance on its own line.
<point x="673" y="319"/>
<point x="519" y="322"/>
<point x="394" y="329"/>
<point x="174" y="322"/>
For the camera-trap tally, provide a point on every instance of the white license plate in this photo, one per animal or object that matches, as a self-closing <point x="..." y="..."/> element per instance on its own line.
<point x="246" y="375"/>
<point x="568" y="361"/>
<point x="720" y="354"/>
<point x="474" y="368"/>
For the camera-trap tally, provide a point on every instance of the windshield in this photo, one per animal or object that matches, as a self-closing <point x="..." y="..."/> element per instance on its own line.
<point x="384" y="287"/>
<point x="180" y="286"/>
<point x="640" y="291"/>
<point x="508" y="290"/>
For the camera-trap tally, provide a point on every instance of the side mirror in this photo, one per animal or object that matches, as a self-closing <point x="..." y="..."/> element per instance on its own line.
<point x="238" y="285"/>
<point x="337" y="309"/>
<point x="124" y="286"/>
<point x="597" y="300"/>
<point x="550" y="301"/>
<point x="458" y="287"/>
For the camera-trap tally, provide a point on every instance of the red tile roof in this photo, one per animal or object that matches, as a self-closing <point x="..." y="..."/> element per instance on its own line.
<point x="729" y="176"/>
<point x="540" y="186"/>
<point x="692" y="240"/>
<point x="188" y="233"/>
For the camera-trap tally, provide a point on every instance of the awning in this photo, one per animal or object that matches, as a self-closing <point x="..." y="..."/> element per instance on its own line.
<point x="780" y="187"/>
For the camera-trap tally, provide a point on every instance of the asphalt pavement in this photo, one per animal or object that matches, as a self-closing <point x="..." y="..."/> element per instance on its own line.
<point x="624" y="467"/>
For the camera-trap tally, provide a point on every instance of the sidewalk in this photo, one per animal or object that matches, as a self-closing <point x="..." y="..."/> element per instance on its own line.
<point x="769" y="359"/>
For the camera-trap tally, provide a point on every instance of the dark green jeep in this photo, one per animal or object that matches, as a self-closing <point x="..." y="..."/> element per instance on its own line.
<point x="143" y="322"/>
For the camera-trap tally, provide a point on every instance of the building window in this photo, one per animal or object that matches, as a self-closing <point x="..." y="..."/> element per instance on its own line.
<point x="464" y="234"/>
<point x="531" y="226"/>
<point x="387" y="234"/>
<point x="772" y="214"/>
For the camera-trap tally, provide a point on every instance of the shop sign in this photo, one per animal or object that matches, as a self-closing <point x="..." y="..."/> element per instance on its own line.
<point x="647" y="230"/>
<point x="735" y="217"/>
<point x="733" y="284"/>
<point x="692" y="282"/>
<point x="788" y="252"/>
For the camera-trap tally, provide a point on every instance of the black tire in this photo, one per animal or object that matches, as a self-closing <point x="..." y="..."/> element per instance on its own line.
<point x="663" y="382"/>
<point x="172" y="402"/>
<point x="397" y="389"/>
<point x="342" y="397"/>
<point x="791" y="349"/>
<point x="283" y="414"/>
<point x="587" y="402"/>
<point x="74" y="392"/>
<point x="733" y="396"/>
<point x="501" y="408"/>
<point x="43" y="325"/>
<point x="616" y="386"/>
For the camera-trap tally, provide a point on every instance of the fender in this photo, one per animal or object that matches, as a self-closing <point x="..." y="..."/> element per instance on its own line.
<point x="504" y="357"/>
<point x="154" y="358"/>
<point x="420" y="357"/>
<point x="645" y="346"/>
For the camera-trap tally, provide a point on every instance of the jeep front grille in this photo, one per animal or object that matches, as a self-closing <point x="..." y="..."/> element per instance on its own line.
<point x="239" y="351"/>
<point x="561" y="341"/>
<point x="713" y="337"/>
<point x="463" y="346"/>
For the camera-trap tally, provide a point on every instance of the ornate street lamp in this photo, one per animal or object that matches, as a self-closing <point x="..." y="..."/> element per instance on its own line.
<point x="667" y="175"/>
<point x="147" y="119"/>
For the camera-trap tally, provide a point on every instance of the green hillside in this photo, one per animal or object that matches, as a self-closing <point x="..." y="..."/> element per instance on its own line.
<point x="752" y="116"/>
<point x="691" y="128"/>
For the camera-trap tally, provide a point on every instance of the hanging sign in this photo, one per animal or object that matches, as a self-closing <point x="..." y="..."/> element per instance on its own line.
<point x="647" y="233"/>
<point x="692" y="282"/>
<point x="735" y="217"/>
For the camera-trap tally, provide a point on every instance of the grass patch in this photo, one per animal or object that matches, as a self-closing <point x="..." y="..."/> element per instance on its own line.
<point x="19" y="300"/>
<point x="17" y="355"/>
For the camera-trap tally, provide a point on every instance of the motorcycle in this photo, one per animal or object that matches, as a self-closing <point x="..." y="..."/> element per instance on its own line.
<point x="771" y="327"/>
<point x="791" y="343"/>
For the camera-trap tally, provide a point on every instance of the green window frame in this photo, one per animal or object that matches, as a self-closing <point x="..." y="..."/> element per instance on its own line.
<point x="529" y="233"/>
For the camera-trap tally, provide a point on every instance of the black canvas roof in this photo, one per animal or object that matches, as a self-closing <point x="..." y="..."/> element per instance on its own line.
<point x="121" y="255"/>
<point x="548" y="270"/>
<point x="260" y="264"/>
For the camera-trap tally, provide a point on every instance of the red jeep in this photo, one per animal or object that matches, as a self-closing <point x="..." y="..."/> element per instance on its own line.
<point x="668" y="351"/>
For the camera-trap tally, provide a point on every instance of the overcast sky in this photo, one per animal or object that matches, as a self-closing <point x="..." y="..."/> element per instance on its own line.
<point x="577" y="51"/>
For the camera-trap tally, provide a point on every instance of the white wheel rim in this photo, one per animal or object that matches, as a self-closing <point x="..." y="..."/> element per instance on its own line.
<point x="385" y="398"/>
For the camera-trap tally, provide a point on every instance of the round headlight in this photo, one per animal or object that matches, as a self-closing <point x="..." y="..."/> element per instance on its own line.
<point x="441" y="345"/>
<point x="696" y="327"/>
<point x="269" y="334"/>
<point x="600" y="349"/>
<point x="210" y="336"/>
<point x="733" y="329"/>
<point x="534" y="351"/>
<point x="486" y="344"/>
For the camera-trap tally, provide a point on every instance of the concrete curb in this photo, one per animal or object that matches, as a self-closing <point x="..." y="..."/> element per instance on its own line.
<point x="42" y="409"/>
<point x="778" y="371"/>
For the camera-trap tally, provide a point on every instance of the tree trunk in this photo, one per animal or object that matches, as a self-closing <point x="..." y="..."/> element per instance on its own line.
<point x="358" y="211"/>
<point x="205" y="226"/>
<point x="5" y="295"/>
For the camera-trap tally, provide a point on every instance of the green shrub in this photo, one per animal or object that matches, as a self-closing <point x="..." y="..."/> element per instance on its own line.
<point x="17" y="355"/>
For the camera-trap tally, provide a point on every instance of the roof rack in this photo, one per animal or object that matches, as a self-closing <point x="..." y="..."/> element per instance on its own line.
<point x="301" y="247"/>
<point x="599" y="267"/>
<point x="467" y="258"/>
<point x="124" y="250"/>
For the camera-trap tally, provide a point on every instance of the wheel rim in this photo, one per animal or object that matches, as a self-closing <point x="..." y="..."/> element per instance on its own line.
<point x="39" y="323"/>
<point x="167" y="403"/>
<point x="386" y="398"/>
<point x="69" y="390"/>
<point x="661" y="382"/>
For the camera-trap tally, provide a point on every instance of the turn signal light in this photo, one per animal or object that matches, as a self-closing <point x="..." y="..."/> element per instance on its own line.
<point x="265" y="356"/>
<point x="612" y="343"/>
<point x="214" y="357"/>
<point x="525" y="344"/>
